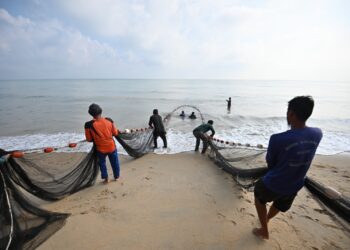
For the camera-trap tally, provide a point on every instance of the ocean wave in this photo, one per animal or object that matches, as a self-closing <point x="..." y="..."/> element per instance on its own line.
<point x="178" y="141"/>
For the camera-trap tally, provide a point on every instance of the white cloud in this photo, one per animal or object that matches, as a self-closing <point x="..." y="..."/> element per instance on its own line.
<point x="47" y="48"/>
<point x="269" y="39"/>
<point x="276" y="40"/>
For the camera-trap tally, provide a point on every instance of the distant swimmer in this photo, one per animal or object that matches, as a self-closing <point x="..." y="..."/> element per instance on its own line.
<point x="289" y="156"/>
<point x="100" y="131"/>
<point x="200" y="134"/>
<point x="182" y="115"/>
<point x="155" y="122"/>
<point x="193" y="116"/>
<point x="228" y="103"/>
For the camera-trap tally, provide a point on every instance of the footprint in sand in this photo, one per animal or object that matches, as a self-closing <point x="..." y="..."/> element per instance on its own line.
<point x="99" y="210"/>
<point x="346" y="176"/>
<point x="220" y="215"/>
<point x="321" y="211"/>
<point x="242" y="209"/>
<point x="307" y="217"/>
<point x="105" y="192"/>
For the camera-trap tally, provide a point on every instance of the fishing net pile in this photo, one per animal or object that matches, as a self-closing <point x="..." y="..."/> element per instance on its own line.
<point x="49" y="176"/>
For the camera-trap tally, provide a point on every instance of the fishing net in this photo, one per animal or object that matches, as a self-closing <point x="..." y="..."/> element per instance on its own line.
<point x="245" y="164"/>
<point x="53" y="176"/>
<point x="23" y="224"/>
<point x="137" y="143"/>
<point x="50" y="176"/>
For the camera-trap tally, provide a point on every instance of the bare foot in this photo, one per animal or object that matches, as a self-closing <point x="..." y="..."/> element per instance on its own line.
<point x="105" y="181"/>
<point x="259" y="232"/>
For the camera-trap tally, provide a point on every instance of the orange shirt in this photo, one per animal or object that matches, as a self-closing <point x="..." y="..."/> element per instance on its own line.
<point x="101" y="132"/>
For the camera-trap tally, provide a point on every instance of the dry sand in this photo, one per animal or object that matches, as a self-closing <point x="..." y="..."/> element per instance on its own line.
<point x="184" y="201"/>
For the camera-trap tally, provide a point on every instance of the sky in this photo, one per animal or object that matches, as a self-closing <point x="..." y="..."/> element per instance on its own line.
<point x="175" y="39"/>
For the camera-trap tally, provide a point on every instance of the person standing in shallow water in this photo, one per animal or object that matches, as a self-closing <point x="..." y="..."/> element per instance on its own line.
<point x="289" y="156"/>
<point x="100" y="131"/>
<point x="156" y="123"/>
<point x="228" y="103"/>
<point x="200" y="134"/>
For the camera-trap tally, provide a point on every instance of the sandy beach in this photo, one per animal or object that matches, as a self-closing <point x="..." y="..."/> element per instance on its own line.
<point x="184" y="201"/>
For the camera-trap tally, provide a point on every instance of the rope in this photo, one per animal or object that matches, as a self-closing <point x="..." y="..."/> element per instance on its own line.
<point x="168" y="116"/>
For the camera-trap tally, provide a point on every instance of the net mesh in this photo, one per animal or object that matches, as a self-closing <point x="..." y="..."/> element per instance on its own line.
<point x="245" y="164"/>
<point x="23" y="224"/>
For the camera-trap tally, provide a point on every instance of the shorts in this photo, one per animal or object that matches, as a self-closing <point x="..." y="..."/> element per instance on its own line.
<point x="280" y="201"/>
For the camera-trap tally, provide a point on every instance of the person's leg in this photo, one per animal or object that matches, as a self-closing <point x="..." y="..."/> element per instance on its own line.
<point x="281" y="204"/>
<point x="205" y="143"/>
<point x="155" y="137"/>
<point x="102" y="164"/>
<point x="165" y="144"/>
<point x="262" y="196"/>
<point x="262" y="212"/>
<point x="113" y="159"/>
<point x="273" y="211"/>
<point x="197" y="141"/>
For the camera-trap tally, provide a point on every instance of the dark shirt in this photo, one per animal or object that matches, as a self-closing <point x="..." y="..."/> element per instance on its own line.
<point x="205" y="127"/>
<point x="289" y="156"/>
<point x="193" y="116"/>
<point x="155" y="121"/>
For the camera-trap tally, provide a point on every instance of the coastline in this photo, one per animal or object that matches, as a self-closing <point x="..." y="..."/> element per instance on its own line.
<point x="184" y="201"/>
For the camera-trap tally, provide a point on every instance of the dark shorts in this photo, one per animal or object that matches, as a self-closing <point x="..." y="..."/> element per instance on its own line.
<point x="280" y="201"/>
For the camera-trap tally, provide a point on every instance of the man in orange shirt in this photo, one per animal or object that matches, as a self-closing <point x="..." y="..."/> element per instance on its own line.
<point x="100" y="131"/>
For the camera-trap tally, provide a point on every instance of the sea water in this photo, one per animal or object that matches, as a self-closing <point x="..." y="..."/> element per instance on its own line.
<point x="42" y="113"/>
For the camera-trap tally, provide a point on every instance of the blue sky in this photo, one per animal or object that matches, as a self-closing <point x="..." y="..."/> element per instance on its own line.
<point x="222" y="39"/>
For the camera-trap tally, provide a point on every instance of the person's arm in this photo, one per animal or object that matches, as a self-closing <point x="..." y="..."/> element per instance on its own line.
<point x="88" y="135"/>
<point x="271" y="154"/>
<point x="212" y="131"/>
<point x="150" y="123"/>
<point x="115" y="131"/>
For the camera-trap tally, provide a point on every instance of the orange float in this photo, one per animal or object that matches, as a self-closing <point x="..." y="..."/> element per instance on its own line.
<point x="17" y="154"/>
<point x="48" y="150"/>
<point x="72" y="145"/>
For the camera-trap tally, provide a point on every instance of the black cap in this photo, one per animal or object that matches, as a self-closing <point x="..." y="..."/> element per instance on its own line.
<point x="95" y="110"/>
<point x="211" y="122"/>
